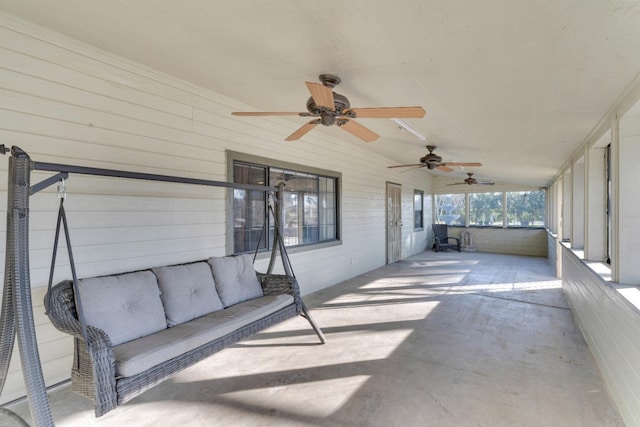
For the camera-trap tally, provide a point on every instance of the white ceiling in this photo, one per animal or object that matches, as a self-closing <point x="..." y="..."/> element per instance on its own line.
<point x="516" y="85"/>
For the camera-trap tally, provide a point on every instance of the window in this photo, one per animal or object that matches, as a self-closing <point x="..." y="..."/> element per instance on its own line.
<point x="248" y="208"/>
<point x="485" y="209"/>
<point x="310" y="208"/>
<point x="450" y="209"/>
<point x="525" y="209"/>
<point x="418" y="210"/>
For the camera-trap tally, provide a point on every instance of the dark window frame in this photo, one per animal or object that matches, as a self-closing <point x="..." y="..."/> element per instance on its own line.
<point x="306" y="240"/>
<point x="418" y="214"/>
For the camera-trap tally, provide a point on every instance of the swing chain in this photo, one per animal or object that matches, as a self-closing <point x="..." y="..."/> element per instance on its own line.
<point x="271" y="198"/>
<point x="62" y="190"/>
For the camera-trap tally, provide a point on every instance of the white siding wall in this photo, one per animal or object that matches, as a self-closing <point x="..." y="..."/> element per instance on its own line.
<point x="628" y="203"/>
<point x="66" y="102"/>
<point x="611" y="327"/>
<point x="552" y="252"/>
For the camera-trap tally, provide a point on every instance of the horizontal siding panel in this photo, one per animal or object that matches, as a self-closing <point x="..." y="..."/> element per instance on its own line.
<point x="127" y="250"/>
<point x="60" y="72"/>
<point x="88" y="219"/>
<point x="52" y="349"/>
<point x="22" y="83"/>
<point x="126" y="235"/>
<point x="37" y="106"/>
<point x="122" y="203"/>
<point x="77" y="57"/>
<point x="611" y="326"/>
<point x="54" y="371"/>
<point x="38" y="126"/>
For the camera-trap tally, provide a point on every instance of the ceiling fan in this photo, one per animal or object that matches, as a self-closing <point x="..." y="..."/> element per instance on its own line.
<point x="331" y="108"/>
<point x="472" y="181"/>
<point x="433" y="161"/>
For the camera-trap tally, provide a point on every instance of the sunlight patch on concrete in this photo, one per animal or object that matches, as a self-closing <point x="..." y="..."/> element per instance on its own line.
<point x="500" y="287"/>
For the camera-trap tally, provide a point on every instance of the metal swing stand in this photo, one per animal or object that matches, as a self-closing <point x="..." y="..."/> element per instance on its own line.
<point x="278" y="244"/>
<point x="16" y="319"/>
<point x="16" y="315"/>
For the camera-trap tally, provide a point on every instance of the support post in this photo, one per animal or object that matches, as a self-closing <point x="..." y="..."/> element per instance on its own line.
<point x="17" y="309"/>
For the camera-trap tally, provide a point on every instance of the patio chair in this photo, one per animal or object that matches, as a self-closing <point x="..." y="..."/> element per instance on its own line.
<point x="442" y="240"/>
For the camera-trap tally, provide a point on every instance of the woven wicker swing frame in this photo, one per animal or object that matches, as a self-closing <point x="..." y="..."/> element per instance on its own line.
<point x="16" y="315"/>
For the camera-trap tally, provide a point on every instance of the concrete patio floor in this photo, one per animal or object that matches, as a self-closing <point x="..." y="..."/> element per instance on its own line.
<point x="437" y="339"/>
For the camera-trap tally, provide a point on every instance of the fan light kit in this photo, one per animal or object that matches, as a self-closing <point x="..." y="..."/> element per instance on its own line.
<point x="433" y="161"/>
<point x="331" y="108"/>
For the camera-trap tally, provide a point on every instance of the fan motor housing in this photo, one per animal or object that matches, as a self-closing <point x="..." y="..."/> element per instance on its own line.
<point x="328" y="116"/>
<point x="340" y="103"/>
<point x="432" y="160"/>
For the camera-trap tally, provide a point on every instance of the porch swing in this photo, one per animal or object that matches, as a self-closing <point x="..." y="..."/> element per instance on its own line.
<point x="94" y="373"/>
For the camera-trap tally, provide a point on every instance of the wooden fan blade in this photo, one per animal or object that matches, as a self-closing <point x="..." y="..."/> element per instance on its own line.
<point x="472" y="164"/>
<point x="266" y="113"/>
<point x="406" y="166"/>
<point x="389" y="112"/>
<point x="457" y="183"/>
<point x="486" y="183"/>
<point x="303" y="130"/>
<point x="322" y="95"/>
<point x="444" y="168"/>
<point x="358" y="130"/>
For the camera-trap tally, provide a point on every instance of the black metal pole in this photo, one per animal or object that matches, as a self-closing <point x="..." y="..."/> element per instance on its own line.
<point x="54" y="167"/>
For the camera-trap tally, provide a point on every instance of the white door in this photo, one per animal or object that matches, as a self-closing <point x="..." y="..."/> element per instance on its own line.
<point x="394" y="222"/>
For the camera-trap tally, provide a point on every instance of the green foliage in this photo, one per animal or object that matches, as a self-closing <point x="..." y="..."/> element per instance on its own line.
<point x="485" y="209"/>
<point x="526" y="208"/>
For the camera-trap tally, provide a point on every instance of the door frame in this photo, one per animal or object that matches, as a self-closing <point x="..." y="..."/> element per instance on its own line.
<point x="389" y="258"/>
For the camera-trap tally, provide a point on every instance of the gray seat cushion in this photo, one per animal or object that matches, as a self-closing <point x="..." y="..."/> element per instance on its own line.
<point x="235" y="278"/>
<point x="137" y="356"/>
<point x="126" y="306"/>
<point x="187" y="291"/>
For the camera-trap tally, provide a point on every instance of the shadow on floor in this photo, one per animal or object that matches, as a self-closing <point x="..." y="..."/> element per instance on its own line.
<point x="446" y="339"/>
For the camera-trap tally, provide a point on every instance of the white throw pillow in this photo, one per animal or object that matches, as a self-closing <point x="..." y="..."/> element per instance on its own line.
<point x="187" y="291"/>
<point x="235" y="278"/>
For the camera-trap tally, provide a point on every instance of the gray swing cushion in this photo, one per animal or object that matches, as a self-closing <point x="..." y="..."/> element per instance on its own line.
<point x="137" y="356"/>
<point x="125" y="306"/>
<point x="187" y="291"/>
<point x="235" y="278"/>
